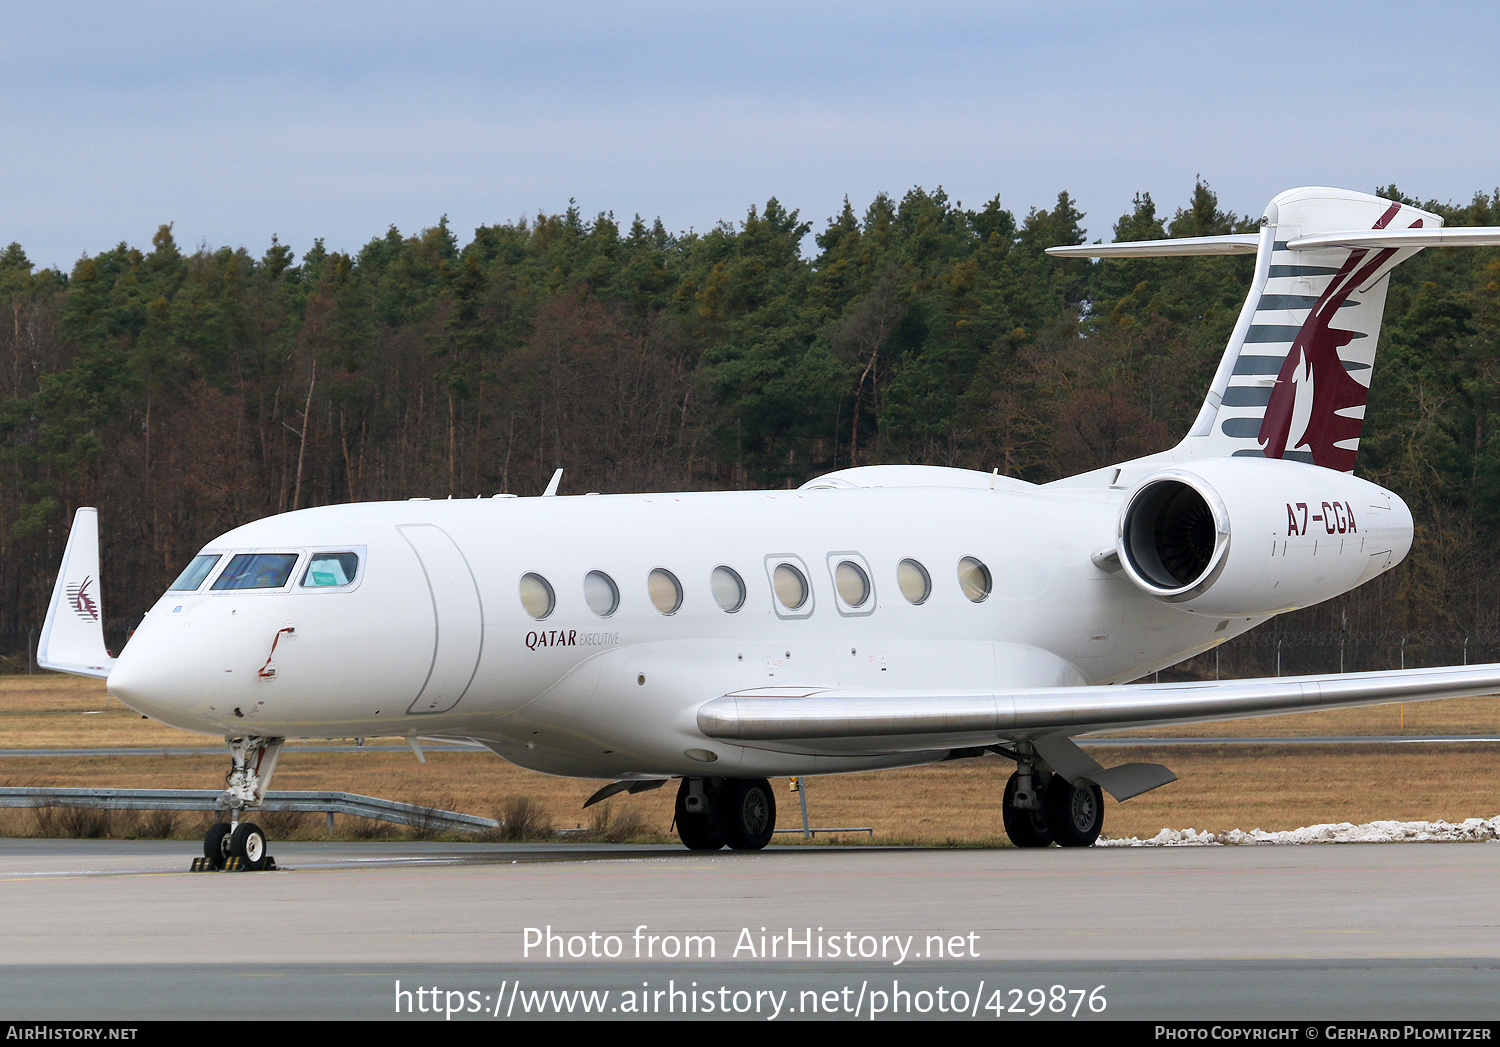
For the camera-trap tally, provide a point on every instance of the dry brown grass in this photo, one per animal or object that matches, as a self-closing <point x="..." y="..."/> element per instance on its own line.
<point x="1221" y="787"/>
<point x="51" y="711"/>
<point x="1284" y="787"/>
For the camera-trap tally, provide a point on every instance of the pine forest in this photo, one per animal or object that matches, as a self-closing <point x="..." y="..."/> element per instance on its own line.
<point x="185" y="394"/>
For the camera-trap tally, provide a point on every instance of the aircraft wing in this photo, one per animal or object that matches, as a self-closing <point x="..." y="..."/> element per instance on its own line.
<point x="854" y="720"/>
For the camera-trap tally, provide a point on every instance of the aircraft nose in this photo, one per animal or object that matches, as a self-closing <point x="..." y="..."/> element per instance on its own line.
<point x="171" y="670"/>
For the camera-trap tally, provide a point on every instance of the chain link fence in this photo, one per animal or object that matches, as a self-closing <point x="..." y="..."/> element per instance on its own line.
<point x="1269" y="651"/>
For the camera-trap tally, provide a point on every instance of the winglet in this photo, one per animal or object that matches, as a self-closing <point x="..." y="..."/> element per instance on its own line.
<point x="73" y="636"/>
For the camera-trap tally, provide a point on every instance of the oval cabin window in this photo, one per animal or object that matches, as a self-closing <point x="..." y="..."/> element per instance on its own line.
<point x="853" y="584"/>
<point x="728" y="588"/>
<point x="914" y="582"/>
<point x="601" y="593"/>
<point x="536" y="596"/>
<point x="974" y="578"/>
<point x="665" y="590"/>
<point x="791" y="586"/>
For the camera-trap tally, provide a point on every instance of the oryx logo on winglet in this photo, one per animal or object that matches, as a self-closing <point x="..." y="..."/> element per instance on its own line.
<point x="82" y="603"/>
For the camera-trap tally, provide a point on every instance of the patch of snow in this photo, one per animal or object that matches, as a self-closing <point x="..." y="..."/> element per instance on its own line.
<point x="1470" y="830"/>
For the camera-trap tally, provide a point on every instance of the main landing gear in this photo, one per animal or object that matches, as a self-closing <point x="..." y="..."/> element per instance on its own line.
<point x="715" y="812"/>
<point x="236" y="844"/>
<point x="1058" y="812"/>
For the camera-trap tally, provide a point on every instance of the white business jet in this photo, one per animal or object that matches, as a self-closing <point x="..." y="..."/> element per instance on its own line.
<point x="876" y="617"/>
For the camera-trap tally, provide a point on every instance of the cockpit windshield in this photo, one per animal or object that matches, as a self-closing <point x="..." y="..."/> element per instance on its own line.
<point x="257" y="571"/>
<point x="330" y="569"/>
<point x="193" y="574"/>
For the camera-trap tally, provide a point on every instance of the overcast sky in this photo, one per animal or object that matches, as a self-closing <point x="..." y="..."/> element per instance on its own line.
<point x="336" y="120"/>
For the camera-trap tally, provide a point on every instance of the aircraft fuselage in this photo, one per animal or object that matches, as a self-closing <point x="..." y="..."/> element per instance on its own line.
<point x="432" y="636"/>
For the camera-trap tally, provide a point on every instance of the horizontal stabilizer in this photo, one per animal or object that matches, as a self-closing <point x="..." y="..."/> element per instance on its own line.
<point x="1468" y="236"/>
<point x="1234" y="243"/>
<point x="1247" y="243"/>
<point x="73" y="635"/>
<point x="910" y="721"/>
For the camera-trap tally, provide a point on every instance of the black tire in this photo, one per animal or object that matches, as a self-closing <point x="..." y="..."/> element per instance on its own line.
<point x="1075" y="815"/>
<point x="248" y="844"/>
<point x="216" y="844"/>
<point x="1025" y="828"/>
<point x="746" y="810"/>
<point x="696" y="830"/>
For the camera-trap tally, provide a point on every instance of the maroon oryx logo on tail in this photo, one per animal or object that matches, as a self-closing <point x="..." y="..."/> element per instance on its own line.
<point x="1313" y="386"/>
<point x="82" y="603"/>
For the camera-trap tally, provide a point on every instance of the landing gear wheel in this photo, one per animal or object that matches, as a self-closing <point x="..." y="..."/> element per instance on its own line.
<point x="248" y="844"/>
<point x="1025" y="828"/>
<point x="746" y="808"/>
<point x="216" y="845"/>
<point x="1075" y="815"/>
<point x="695" y="829"/>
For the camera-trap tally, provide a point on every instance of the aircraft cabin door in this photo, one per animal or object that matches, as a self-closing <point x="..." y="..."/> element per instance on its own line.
<point x="457" y="618"/>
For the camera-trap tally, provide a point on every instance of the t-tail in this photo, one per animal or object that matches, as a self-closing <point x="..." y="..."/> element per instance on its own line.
<point x="1295" y="376"/>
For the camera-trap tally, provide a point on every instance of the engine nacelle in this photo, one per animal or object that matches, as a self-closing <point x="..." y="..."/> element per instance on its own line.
<point x="1251" y="536"/>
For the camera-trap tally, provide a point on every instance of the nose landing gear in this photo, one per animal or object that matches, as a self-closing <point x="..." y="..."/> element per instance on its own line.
<point x="236" y="844"/>
<point x="248" y="844"/>
<point x="216" y="846"/>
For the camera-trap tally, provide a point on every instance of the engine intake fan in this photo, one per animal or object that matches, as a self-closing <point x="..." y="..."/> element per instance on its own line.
<point x="1174" y="535"/>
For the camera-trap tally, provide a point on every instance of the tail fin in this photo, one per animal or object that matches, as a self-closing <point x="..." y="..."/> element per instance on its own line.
<point x="73" y="636"/>
<point x="1295" y="376"/>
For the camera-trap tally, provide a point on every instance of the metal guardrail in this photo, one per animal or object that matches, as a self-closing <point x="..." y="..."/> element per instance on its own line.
<point x="433" y="819"/>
